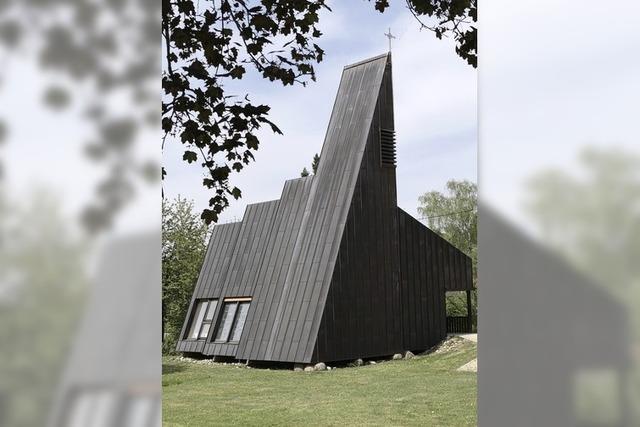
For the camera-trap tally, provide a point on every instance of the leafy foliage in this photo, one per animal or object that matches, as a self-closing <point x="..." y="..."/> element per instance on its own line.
<point x="592" y="216"/>
<point x="455" y="18"/>
<point x="43" y="283"/>
<point x="94" y="49"/>
<point x="184" y="237"/>
<point x="453" y="215"/>
<point x="209" y="44"/>
<point x="304" y="172"/>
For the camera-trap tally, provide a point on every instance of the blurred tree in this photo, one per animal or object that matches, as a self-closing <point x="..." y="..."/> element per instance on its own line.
<point x="304" y="172"/>
<point x="454" y="216"/>
<point x="93" y="51"/>
<point x="184" y="240"/>
<point x="42" y="285"/>
<point x="455" y="18"/>
<point x="592" y="216"/>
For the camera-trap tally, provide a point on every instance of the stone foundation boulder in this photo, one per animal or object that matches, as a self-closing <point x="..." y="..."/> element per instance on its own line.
<point x="320" y="367"/>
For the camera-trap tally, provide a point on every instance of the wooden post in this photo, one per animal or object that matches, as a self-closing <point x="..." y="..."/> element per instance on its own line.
<point x="469" y="312"/>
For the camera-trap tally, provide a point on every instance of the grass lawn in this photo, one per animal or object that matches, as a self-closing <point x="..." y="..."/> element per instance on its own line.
<point x="425" y="391"/>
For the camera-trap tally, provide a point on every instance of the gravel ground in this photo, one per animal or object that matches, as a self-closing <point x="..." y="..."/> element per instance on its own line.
<point x="470" y="367"/>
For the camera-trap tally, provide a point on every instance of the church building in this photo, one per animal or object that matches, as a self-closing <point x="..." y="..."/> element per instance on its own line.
<point x="333" y="270"/>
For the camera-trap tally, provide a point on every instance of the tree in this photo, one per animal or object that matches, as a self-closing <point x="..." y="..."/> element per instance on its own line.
<point x="456" y="18"/>
<point x="454" y="216"/>
<point x="591" y="217"/>
<point x="315" y="163"/>
<point x="314" y="166"/>
<point x="43" y="283"/>
<point x="207" y="46"/>
<point x="184" y="238"/>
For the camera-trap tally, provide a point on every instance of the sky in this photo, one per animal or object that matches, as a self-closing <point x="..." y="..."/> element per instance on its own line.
<point x="547" y="86"/>
<point x="550" y="85"/>
<point x="434" y="102"/>
<point x="435" y="113"/>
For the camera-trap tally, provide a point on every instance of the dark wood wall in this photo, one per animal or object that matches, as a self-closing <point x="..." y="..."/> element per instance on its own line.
<point x="299" y="309"/>
<point x="335" y="270"/>
<point x="270" y="279"/>
<point x="361" y="317"/>
<point x="423" y="258"/>
<point x="252" y="240"/>
<point x="212" y="275"/>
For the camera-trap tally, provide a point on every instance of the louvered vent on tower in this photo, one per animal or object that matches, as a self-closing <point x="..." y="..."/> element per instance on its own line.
<point x="388" y="147"/>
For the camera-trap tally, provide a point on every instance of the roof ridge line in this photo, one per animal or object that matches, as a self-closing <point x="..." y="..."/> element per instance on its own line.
<point x="364" y="61"/>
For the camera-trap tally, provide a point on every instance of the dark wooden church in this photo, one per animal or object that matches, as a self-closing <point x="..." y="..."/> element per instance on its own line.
<point x="334" y="270"/>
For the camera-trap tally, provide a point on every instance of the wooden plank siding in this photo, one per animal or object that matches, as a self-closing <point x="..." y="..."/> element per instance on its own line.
<point x="245" y="263"/>
<point x="269" y="284"/>
<point x="212" y="274"/>
<point x="299" y="311"/>
<point x="422" y="288"/>
<point x="361" y="316"/>
<point x="335" y="271"/>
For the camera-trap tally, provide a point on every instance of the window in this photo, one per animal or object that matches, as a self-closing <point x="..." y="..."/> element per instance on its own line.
<point x="234" y="315"/>
<point x="202" y="319"/>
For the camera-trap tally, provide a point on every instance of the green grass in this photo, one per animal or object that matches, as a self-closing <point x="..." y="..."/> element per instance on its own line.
<point x="425" y="391"/>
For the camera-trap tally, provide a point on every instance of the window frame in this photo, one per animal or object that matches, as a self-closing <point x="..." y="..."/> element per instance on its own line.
<point x="210" y="322"/>
<point x="237" y="301"/>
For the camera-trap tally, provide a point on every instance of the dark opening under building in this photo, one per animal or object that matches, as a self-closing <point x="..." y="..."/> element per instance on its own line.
<point x="333" y="270"/>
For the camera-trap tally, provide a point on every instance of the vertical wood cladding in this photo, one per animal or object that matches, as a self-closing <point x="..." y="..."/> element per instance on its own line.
<point x="430" y="266"/>
<point x="422" y="284"/>
<point x="249" y="251"/>
<point x="212" y="275"/>
<point x="299" y="311"/>
<point x="269" y="285"/>
<point x="334" y="269"/>
<point x="361" y="316"/>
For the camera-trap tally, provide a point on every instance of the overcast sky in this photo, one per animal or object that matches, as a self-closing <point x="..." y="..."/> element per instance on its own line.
<point x="434" y="101"/>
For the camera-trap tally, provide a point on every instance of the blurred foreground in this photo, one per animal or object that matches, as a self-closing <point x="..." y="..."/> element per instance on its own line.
<point x="559" y="217"/>
<point x="80" y="213"/>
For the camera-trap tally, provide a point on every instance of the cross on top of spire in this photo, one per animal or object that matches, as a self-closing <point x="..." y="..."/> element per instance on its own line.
<point x="390" y="36"/>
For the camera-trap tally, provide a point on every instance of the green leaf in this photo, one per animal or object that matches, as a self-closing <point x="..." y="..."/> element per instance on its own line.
<point x="236" y="193"/>
<point x="190" y="156"/>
